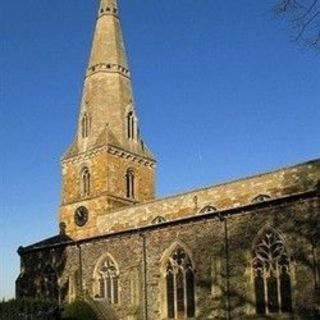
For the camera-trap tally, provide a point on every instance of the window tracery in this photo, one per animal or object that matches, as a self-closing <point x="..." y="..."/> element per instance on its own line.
<point x="180" y="285"/>
<point x="271" y="271"/>
<point x="107" y="277"/>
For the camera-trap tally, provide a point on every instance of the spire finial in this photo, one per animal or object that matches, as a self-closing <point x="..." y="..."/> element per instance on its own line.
<point x="108" y="52"/>
<point x="108" y="7"/>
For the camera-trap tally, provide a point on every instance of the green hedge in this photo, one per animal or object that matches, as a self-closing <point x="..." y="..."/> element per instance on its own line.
<point x="79" y="310"/>
<point x="29" y="309"/>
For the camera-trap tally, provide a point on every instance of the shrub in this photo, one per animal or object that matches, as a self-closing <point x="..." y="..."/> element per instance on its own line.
<point x="28" y="308"/>
<point x="79" y="310"/>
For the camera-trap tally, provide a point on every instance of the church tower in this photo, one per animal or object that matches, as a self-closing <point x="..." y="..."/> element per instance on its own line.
<point x="108" y="165"/>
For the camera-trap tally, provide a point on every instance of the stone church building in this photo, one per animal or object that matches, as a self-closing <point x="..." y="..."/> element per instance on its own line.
<point x="245" y="249"/>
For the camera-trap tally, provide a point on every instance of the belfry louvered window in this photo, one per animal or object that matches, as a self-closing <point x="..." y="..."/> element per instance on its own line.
<point x="108" y="278"/>
<point x="271" y="271"/>
<point x="180" y="286"/>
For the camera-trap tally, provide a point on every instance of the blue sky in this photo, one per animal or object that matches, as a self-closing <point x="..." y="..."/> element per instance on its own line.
<point x="220" y="90"/>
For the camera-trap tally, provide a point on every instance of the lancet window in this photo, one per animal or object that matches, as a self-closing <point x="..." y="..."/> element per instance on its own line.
<point x="180" y="287"/>
<point x="130" y="184"/>
<point x="85" y="182"/>
<point x="271" y="271"/>
<point x="85" y="126"/>
<point x="131" y="125"/>
<point x="108" y="281"/>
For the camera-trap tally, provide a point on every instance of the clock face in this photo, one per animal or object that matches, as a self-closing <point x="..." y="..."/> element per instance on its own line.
<point x="81" y="216"/>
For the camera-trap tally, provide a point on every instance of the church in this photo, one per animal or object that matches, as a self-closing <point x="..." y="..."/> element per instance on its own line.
<point x="245" y="249"/>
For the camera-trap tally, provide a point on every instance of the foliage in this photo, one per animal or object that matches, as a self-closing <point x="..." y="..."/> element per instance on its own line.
<point x="40" y="309"/>
<point x="29" y="309"/>
<point x="304" y="20"/>
<point x="79" y="310"/>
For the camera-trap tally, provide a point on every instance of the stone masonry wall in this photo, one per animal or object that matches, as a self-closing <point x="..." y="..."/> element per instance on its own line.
<point x="108" y="189"/>
<point x="221" y="250"/>
<point x="206" y="242"/>
<point x="276" y="184"/>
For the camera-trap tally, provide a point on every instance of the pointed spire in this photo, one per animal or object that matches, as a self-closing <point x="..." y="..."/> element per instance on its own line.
<point x="107" y="105"/>
<point x="108" y="52"/>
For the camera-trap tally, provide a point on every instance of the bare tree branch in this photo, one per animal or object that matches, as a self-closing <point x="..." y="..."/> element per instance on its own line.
<point x="304" y="19"/>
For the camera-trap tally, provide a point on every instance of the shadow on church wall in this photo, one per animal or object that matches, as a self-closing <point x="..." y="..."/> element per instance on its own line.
<point x="41" y="269"/>
<point x="298" y="223"/>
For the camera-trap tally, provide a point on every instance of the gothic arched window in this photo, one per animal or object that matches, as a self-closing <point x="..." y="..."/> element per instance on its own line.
<point x="130" y="125"/>
<point x="271" y="271"/>
<point x="180" y="287"/>
<point x="130" y="184"/>
<point x="85" y="182"/>
<point x="107" y="277"/>
<point x="85" y="125"/>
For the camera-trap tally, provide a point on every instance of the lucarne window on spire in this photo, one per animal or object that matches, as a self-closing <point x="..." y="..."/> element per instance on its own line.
<point x="130" y="125"/>
<point x="85" y="125"/>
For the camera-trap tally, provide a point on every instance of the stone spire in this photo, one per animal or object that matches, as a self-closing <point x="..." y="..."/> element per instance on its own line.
<point x="108" y="47"/>
<point x="107" y="99"/>
<point x="107" y="166"/>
